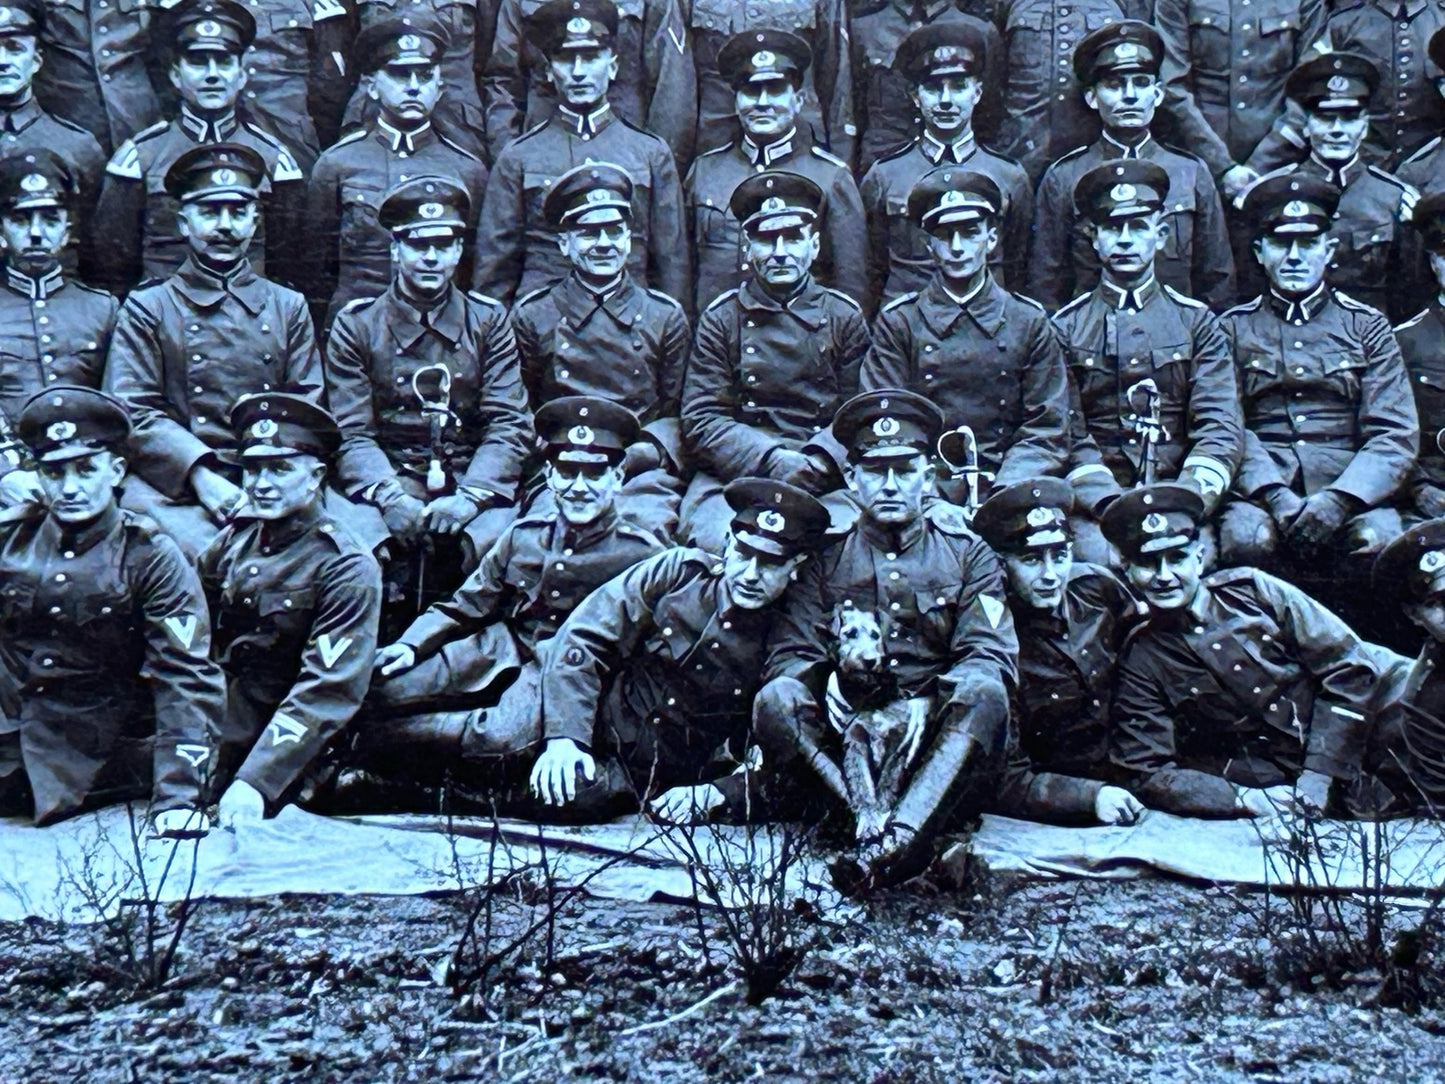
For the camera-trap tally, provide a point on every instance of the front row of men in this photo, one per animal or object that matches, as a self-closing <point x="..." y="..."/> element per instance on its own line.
<point x="876" y="672"/>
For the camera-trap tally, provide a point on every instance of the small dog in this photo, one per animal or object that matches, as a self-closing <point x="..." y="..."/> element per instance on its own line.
<point x="881" y="731"/>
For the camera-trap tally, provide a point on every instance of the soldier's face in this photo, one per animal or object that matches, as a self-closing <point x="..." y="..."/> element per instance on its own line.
<point x="19" y="61"/>
<point x="279" y="487"/>
<point x="406" y="92"/>
<point x="1168" y="580"/>
<point x="1126" y="246"/>
<point x="1295" y="263"/>
<point x="219" y="230"/>
<point x="782" y="258"/>
<point x="892" y="491"/>
<point x="1336" y="134"/>
<point x="1126" y="101"/>
<point x="755" y="580"/>
<point x="961" y="249"/>
<point x="582" y="76"/>
<point x="1037" y="577"/>
<point x="1429" y="616"/>
<point x="33" y="239"/>
<point x="208" y="80"/>
<point x="79" y="490"/>
<point x="426" y="265"/>
<point x="946" y="103"/>
<point x="768" y="109"/>
<point x="599" y="252"/>
<point x="584" y="491"/>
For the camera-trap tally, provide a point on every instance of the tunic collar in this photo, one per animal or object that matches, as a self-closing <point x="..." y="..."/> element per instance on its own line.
<point x="768" y="153"/>
<point x="577" y="303"/>
<point x="941" y="310"/>
<point x="1132" y="300"/>
<point x="280" y="533"/>
<point x="77" y="540"/>
<point x="206" y="289"/>
<point x="202" y="130"/>
<point x="806" y="304"/>
<point x="957" y="152"/>
<point x="890" y="539"/>
<point x="37" y="289"/>
<point x="404" y="142"/>
<point x="22" y="116"/>
<point x="1300" y="310"/>
<point x="1115" y="149"/>
<point x="585" y="125"/>
<point x="1339" y="176"/>
<point x="409" y="323"/>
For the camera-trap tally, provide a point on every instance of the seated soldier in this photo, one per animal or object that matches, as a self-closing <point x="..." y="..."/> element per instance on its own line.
<point x="1239" y="695"/>
<point x="648" y="687"/>
<point x="107" y="689"/>
<point x="424" y="383"/>
<point x="485" y="645"/>
<point x="1422" y="347"/>
<point x="599" y="332"/>
<point x="1071" y="620"/>
<point x="1330" y="426"/>
<point x="55" y="330"/>
<point x="772" y="360"/>
<point x="989" y="359"/>
<point x="296" y="600"/>
<point x="934" y="700"/>
<point x="1152" y="372"/>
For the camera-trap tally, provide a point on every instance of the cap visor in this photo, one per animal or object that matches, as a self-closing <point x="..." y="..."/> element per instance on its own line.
<point x="69" y="451"/>
<point x="222" y="195"/>
<point x="1043" y="539"/>
<point x="1297" y="227"/>
<point x="892" y="451"/>
<point x="598" y="214"/>
<point x="30" y="203"/>
<point x="1169" y="542"/>
<point x="760" y="544"/>
<point x="778" y="223"/>
<point x="275" y="451"/>
<point x="965" y="213"/>
<point x="448" y="228"/>
<point x="564" y="453"/>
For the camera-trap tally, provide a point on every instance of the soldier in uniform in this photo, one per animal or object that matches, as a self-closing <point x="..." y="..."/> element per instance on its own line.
<point x="297" y="80"/>
<point x="766" y="69"/>
<point x="1425" y="169"/>
<point x="107" y="690"/>
<point x="135" y="231"/>
<point x="648" y="686"/>
<point x="1422" y="347"/>
<point x="943" y="64"/>
<point x="1240" y="695"/>
<point x="771" y="362"/>
<point x="936" y="593"/>
<point x="655" y="88"/>
<point x="516" y="251"/>
<point x="827" y="105"/>
<point x="1071" y="619"/>
<point x="1368" y="236"/>
<point x="1331" y="428"/>
<point x="25" y="126"/>
<point x="988" y="358"/>
<point x="599" y="333"/>
<point x="95" y="73"/>
<point x="425" y="384"/>
<point x="55" y="330"/>
<point x="296" y="600"/>
<point x="466" y="27"/>
<point x="1118" y="67"/>
<point x="185" y="349"/>
<point x="350" y="250"/>
<point x="483" y="648"/>
<point x="1153" y="373"/>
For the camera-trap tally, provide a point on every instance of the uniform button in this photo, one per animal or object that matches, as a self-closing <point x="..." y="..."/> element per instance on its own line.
<point x="60" y="577"/>
<point x="1217" y="647"/>
<point x="1256" y="690"/>
<point x="667" y="630"/>
<point x="565" y="374"/>
<point x="727" y="625"/>
<point x="737" y="692"/>
<point x="286" y="604"/>
<point x="197" y="390"/>
<point x="559" y="566"/>
<point x="893" y="575"/>
<point x="55" y="609"/>
<point x="750" y="350"/>
<point x="891" y="556"/>
<point x="556" y="594"/>
<point x="671" y="701"/>
<point x="47" y="662"/>
<point x="1193" y="690"/>
<point x="567" y="552"/>
<point x="1238" y="667"/>
<point x="1299" y="370"/>
<point x="893" y="606"/>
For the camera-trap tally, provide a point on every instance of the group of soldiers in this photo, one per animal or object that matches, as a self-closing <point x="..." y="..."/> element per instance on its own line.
<point x="876" y="412"/>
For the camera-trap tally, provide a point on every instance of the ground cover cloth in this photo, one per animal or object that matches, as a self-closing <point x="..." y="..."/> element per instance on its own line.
<point x="84" y="866"/>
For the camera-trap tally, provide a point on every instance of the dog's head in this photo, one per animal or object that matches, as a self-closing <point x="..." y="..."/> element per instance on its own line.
<point x="857" y="640"/>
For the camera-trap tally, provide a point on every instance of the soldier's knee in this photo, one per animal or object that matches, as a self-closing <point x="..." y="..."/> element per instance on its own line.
<point x="1247" y="535"/>
<point x="1374" y="530"/>
<point x="778" y="710"/>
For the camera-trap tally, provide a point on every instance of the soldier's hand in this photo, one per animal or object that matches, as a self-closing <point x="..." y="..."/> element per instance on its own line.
<point x="1430" y="500"/>
<point x="1408" y="198"/>
<point x="448" y="515"/>
<point x="554" y="776"/>
<point x="1319" y="521"/>
<point x="787" y="465"/>
<point x="1284" y="506"/>
<point x="404" y="516"/>
<point x="216" y="493"/>
<point x="1115" y="805"/>
<point x="394" y="659"/>
<point x="179" y="824"/>
<point x="241" y="804"/>
<point x="1236" y="179"/>
<point x="20" y="487"/>
<point x="686" y="805"/>
<point x="641" y="457"/>
<point x="1312" y="792"/>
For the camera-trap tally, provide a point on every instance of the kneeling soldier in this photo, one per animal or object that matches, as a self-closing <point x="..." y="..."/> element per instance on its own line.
<point x="107" y="690"/>
<point x="296" y="601"/>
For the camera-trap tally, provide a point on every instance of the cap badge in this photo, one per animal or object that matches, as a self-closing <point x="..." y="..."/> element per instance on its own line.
<point x="951" y="198"/>
<point x="773" y="204"/>
<point x="1432" y="561"/>
<point x="431" y="210"/>
<point x="886" y="427"/>
<point x="581" y="434"/>
<point x="945" y="54"/>
<point x="1154" y="523"/>
<point x="409" y="43"/>
<point x="578" y="25"/>
<point x="1123" y="193"/>
<point x="33" y="182"/>
<point x="264" y="429"/>
<point x="598" y="195"/>
<point x="209" y="28"/>
<point x="223" y="176"/>
<point x="1040" y="517"/>
<point x="772" y="521"/>
<point x="764" y="59"/>
<point x="1296" y="208"/>
<point x="58" y="431"/>
<point x="1126" y="50"/>
<point x="1338" y="84"/>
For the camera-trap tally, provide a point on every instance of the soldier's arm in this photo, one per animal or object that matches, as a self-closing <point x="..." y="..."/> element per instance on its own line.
<point x="1017" y="234"/>
<point x="875" y="209"/>
<point x="1387" y="419"/>
<point x="362" y="468"/>
<point x="1183" y="116"/>
<point x="1258" y="472"/>
<point x="334" y="676"/>
<point x="833" y="78"/>
<point x="165" y="450"/>
<point x="1216" y="422"/>
<point x="1051" y="277"/>
<point x="329" y="84"/>
<point x="1213" y="270"/>
<point x="472" y="606"/>
<point x="798" y="639"/>
<point x="845" y="231"/>
<point x="984" y="648"/>
<point x="189" y="689"/>
<point x="851" y="330"/>
<point x="1041" y="443"/>
<point x="305" y="373"/>
<point x="889" y="361"/>
<point x="671" y="79"/>
<point x="502" y="416"/>
<point x="665" y="430"/>
<point x="504" y="79"/>
<point x="1033" y="794"/>
<point x="604" y="630"/>
<point x="116" y="229"/>
<point x="500" y="226"/>
<point x="669" y="266"/>
<point x="284" y="210"/>
<point x="322" y="236"/>
<point x="724" y="447"/>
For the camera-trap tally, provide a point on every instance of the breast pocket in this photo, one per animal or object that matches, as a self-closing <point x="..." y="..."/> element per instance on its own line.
<point x="360" y="200"/>
<point x="1345" y="373"/>
<point x="936" y="607"/>
<point x="1179" y="243"/>
<point x="291" y="19"/>
<point x="715" y="15"/>
<point x="287" y="612"/>
<point x="17" y="599"/>
<point x="535" y="187"/>
<point x="1430" y="402"/>
<point x="1094" y="378"/>
<point x="1028" y="55"/>
<point x="716" y="228"/>
<point x="791" y="15"/>
<point x="1370" y="247"/>
<point x="1259" y="373"/>
<point x="905" y="240"/>
<point x="1209" y="25"/>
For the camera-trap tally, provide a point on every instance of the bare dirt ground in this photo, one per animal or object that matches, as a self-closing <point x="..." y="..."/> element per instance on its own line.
<point x="1002" y="980"/>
